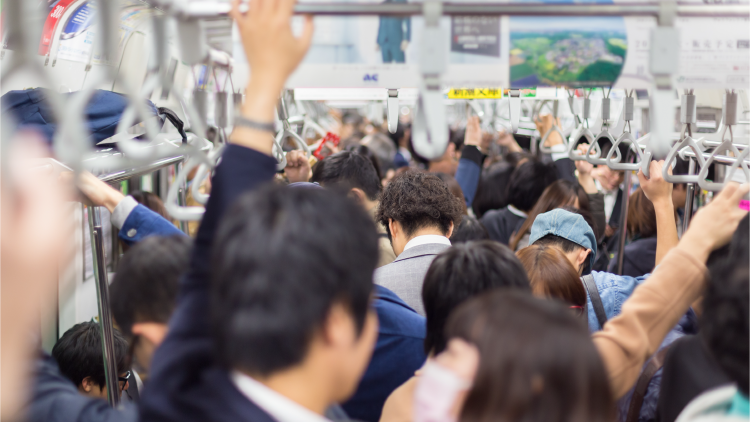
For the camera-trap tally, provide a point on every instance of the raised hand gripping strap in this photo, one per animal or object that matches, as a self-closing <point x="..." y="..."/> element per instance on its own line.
<point x="582" y="132"/>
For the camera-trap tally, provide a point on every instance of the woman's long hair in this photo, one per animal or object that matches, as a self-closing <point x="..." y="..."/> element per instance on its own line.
<point x="557" y="195"/>
<point x="552" y="275"/>
<point x="537" y="362"/>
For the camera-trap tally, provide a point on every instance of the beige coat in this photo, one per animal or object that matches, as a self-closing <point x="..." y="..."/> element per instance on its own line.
<point x="627" y="340"/>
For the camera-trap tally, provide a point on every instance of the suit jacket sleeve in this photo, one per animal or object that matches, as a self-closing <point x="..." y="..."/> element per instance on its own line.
<point x="55" y="398"/>
<point x="187" y="352"/>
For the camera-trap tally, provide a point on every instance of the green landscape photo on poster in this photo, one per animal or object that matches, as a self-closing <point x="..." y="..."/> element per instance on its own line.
<point x="571" y="52"/>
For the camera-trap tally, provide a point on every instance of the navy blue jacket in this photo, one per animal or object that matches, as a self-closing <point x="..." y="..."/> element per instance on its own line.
<point x="146" y="223"/>
<point x="399" y="352"/>
<point x="186" y="383"/>
<point x="54" y="398"/>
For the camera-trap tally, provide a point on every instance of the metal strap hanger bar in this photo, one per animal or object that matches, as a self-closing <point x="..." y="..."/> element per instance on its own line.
<point x="212" y="8"/>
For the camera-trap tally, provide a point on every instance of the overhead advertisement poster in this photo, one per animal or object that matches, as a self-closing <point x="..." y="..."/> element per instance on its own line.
<point x="571" y="52"/>
<point x="383" y="52"/>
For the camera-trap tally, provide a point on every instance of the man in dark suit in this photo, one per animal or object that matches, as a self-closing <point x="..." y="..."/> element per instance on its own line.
<point x="273" y="321"/>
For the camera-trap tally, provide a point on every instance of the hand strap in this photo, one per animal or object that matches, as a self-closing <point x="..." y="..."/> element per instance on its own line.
<point x="252" y="124"/>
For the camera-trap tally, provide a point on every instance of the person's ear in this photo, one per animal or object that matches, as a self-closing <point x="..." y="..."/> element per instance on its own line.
<point x="358" y="195"/>
<point x="339" y="326"/>
<point x="393" y="227"/>
<point x="583" y="255"/>
<point x="87" y="384"/>
<point x="450" y="231"/>
<point x="151" y="331"/>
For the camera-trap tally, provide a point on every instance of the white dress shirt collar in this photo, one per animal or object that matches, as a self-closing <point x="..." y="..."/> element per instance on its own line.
<point x="279" y="407"/>
<point x="427" y="239"/>
<point x="517" y="212"/>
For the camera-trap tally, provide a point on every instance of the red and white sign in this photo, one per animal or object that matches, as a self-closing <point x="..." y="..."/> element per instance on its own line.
<point x="51" y="24"/>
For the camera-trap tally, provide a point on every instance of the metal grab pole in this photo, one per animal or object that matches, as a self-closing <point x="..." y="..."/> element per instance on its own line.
<point x="624" y="217"/>
<point x="182" y="198"/>
<point x="689" y="196"/>
<point x="105" y="318"/>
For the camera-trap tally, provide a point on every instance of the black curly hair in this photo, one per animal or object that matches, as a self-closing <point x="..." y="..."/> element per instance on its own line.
<point x="417" y="199"/>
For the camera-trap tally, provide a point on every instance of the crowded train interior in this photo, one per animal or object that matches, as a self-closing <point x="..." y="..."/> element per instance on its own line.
<point x="375" y="211"/>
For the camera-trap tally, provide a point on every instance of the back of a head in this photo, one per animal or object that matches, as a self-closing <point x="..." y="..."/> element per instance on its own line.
<point x="551" y="274"/>
<point x="469" y="229"/>
<point x="416" y="200"/>
<point x="382" y="148"/>
<point x="641" y="215"/>
<point x="367" y="152"/>
<point x="282" y="259"/>
<point x="726" y="305"/>
<point x="566" y="229"/>
<point x="79" y="353"/>
<point x="492" y="190"/>
<point x="146" y="283"/>
<point x="462" y="272"/>
<point x="559" y="194"/>
<point x="537" y="362"/>
<point x="348" y="170"/>
<point x="454" y="187"/>
<point x="528" y="181"/>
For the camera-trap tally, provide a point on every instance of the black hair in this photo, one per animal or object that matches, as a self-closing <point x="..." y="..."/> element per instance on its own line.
<point x="492" y="189"/>
<point x="528" y="181"/>
<point x="462" y="272"/>
<point x="348" y="170"/>
<point x="469" y="229"/>
<point x="399" y="133"/>
<point x="417" y="199"/>
<point x="537" y="361"/>
<point x="367" y="152"/>
<point x="726" y="305"/>
<point x="282" y="259"/>
<point x="79" y="353"/>
<point x="146" y="283"/>
<point x="725" y="326"/>
<point x="560" y="242"/>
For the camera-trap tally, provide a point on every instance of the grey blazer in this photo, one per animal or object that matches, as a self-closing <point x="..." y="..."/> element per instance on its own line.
<point x="405" y="275"/>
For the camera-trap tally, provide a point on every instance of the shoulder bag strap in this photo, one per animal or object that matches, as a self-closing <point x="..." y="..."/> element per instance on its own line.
<point x="639" y="392"/>
<point x="596" y="301"/>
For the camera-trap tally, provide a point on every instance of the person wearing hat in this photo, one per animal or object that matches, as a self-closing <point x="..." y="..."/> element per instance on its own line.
<point x="570" y="233"/>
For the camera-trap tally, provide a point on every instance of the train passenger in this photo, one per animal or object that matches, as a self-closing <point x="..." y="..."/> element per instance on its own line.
<point x="511" y="356"/>
<point x="456" y="275"/>
<point x="469" y="229"/>
<point x="526" y="185"/>
<point x="718" y="354"/>
<point x="78" y="353"/>
<point x="640" y="254"/>
<point x="559" y="194"/>
<point x="356" y="174"/>
<point x="574" y="237"/>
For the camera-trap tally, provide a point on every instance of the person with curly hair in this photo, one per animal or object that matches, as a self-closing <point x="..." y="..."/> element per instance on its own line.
<point x="419" y="213"/>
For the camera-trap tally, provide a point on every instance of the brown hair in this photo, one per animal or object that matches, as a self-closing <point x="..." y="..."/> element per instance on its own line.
<point x="537" y="362"/>
<point x="641" y="215"/>
<point x="557" y="195"/>
<point x="151" y="201"/>
<point x="552" y="275"/>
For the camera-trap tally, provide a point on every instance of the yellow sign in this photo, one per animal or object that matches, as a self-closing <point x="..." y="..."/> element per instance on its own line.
<point x="475" y="93"/>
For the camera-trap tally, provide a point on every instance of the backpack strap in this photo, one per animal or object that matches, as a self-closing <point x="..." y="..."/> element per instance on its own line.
<point x="639" y="392"/>
<point x="596" y="300"/>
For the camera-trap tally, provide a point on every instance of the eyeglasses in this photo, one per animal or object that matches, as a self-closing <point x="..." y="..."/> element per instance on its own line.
<point x="124" y="379"/>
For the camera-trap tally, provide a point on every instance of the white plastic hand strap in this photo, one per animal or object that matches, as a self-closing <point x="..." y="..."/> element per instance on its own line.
<point x="202" y="174"/>
<point x="686" y="142"/>
<point x="429" y="129"/>
<point x="617" y="163"/>
<point x="514" y="108"/>
<point x="741" y="161"/>
<point x="662" y="125"/>
<point x="554" y="128"/>
<point x="581" y="132"/>
<point x="392" y="110"/>
<point x="726" y="146"/>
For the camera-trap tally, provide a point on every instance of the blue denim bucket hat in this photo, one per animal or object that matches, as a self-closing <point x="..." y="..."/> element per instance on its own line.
<point x="567" y="225"/>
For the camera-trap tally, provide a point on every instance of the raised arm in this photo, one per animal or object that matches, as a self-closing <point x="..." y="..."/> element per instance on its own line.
<point x="659" y="192"/>
<point x="656" y="305"/>
<point x="470" y="165"/>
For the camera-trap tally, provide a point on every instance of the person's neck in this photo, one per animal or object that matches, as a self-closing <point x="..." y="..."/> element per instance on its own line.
<point x="300" y="384"/>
